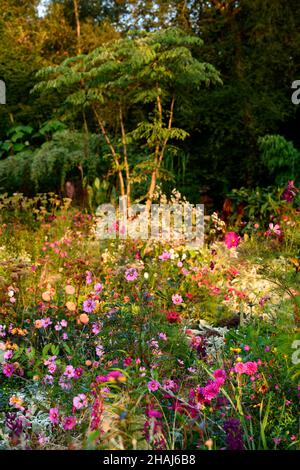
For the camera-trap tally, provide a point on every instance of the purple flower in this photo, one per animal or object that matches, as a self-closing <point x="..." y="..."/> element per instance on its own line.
<point x="48" y="380"/>
<point x="131" y="274"/>
<point x="234" y="434"/>
<point x="289" y="193"/>
<point x="89" y="306"/>
<point x="65" y="384"/>
<point x="96" y="328"/>
<point x="46" y="322"/>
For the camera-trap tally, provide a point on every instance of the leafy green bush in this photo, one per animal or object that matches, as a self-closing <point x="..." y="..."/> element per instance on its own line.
<point x="280" y="158"/>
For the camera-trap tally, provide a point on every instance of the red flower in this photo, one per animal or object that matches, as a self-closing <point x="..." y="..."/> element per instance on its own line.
<point x="173" y="317"/>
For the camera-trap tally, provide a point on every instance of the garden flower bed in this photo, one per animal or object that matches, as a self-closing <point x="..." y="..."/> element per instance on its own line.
<point x="118" y="345"/>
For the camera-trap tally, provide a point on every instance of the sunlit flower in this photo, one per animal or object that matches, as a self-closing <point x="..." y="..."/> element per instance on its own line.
<point x="165" y="256"/>
<point x="71" y="306"/>
<point x="84" y="319"/>
<point x="70" y="290"/>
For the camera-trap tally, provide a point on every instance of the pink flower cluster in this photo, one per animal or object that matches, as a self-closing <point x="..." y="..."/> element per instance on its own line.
<point x="212" y="389"/>
<point x="249" y="368"/>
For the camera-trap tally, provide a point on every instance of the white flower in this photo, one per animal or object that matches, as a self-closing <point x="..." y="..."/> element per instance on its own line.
<point x="146" y="275"/>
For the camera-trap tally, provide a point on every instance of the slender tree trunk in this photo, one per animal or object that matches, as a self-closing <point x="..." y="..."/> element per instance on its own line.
<point x="169" y="128"/>
<point x="127" y="169"/>
<point x="113" y="152"/>
<point x="78" y="26"/>
<point x="159" y="152"/>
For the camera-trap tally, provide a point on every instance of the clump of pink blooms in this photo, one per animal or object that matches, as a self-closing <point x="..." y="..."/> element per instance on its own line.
<point x="212" y="389"/>
<point x="249" y="368"/>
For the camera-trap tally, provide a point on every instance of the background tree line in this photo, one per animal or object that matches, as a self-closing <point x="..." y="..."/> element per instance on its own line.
<point x="243" y="132"/>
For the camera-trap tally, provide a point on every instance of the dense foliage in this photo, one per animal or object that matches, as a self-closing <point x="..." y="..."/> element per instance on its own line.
<point x="253" y="44"/>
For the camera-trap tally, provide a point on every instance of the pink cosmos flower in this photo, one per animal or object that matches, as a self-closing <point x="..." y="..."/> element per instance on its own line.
<point x="240" y="368"/>
<point x="80" y="401"/>
<point x="169" y="384"/>
<point x="274" y="230"/>
<point x="8" y="354"/>
<point x="163" y="336"/>
<point x="8" y="370"/>
<point x="64" y="323"/>
<point x="153" y="385"/>
<point x="46" y="322"/>
<point x="52" y="368"/>
<point x="232" y="240"/>
<point x="131" y="274"/>
<point x="96" y="328"/>
<point x="165" y="256"/>
<point x="100" y="350"/>
<point x="69" y="372"/>
<point x="69" y="423"/>
<point x="54" y="415"/>
<point x="250" y="368"/>
<point x="177" y="299"/>
<point x="88" y="277"/>
<point x="98" y="288"/>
